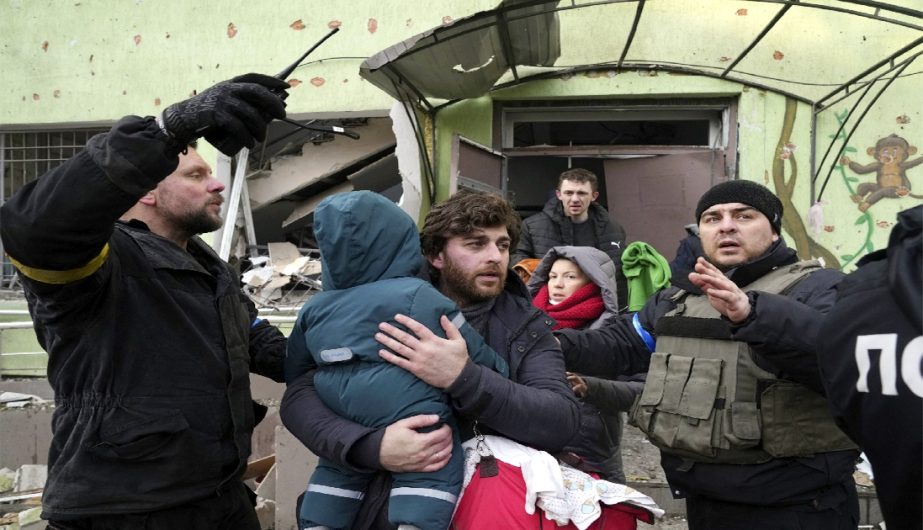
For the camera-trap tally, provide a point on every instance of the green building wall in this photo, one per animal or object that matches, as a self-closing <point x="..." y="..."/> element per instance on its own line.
<point x="67" y="62"/>
<point x="774" y="145"/>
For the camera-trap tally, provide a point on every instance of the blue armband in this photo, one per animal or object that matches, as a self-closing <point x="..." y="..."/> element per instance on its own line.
<point x="256" y="322"/>
<point x="645" y="336"/>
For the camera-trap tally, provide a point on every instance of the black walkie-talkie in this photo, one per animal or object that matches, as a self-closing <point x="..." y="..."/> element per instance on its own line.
<point x="288" y="71"/>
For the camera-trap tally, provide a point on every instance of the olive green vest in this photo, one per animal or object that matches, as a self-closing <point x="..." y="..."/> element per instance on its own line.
<point x="706" y="400"/>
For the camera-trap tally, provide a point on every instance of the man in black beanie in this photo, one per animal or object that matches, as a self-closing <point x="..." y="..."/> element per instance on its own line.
<point x="733" y="396"/>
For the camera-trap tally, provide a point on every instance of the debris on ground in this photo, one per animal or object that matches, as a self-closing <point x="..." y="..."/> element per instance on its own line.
<point x="21" y="497"/>
<point x="274" y="278"/>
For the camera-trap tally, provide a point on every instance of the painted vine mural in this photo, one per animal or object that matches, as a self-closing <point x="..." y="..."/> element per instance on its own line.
<point x="804" y="244"/>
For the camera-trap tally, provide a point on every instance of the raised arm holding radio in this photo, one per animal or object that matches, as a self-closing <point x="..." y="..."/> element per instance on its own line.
<point x="150" y="342"/>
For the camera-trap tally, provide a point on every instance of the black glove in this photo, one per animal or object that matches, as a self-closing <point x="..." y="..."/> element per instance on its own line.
<point x="230" y="115"/>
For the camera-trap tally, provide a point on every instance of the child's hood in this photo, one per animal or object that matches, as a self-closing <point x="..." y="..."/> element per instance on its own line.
<point x="364" y="237"/>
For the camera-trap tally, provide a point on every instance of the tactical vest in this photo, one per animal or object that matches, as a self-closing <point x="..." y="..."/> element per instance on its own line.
<point x="705" y="399"/>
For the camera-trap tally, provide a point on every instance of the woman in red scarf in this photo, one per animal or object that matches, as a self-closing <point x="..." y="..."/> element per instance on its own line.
<point x="576" y="286"/>
<point x="569" y="296"/>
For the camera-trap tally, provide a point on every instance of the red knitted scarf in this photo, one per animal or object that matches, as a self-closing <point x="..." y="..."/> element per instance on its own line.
<point x="577" y="310"/>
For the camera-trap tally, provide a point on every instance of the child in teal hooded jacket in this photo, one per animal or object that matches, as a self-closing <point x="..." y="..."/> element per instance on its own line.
<point x="370" y="252"/>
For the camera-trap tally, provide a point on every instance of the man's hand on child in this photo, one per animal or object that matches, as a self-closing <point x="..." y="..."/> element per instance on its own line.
<point x="435" y="360"/>
<point x="404" y="449"/>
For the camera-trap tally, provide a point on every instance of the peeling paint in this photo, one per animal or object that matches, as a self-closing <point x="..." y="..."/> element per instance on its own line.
<point x="373" y="25"/>
<point x="45" y="46"/>
<point x="72" y="42"/>
<point x="741" y="12"/>
<point x="297" y="25"/>
<point x="218" y="65"/>
<point x="124" y="92"/>
<point x="446" y="19"/>
<point x="56" y="93"/>
<point x="167" y="35"/>
<point x="829" y="228"/>
<point x="333" y="24"/>
<point x="903" y="119"/>
<point x="777" y="55"/>
<point x="137" y="39"/>
<point x="156" y="102"/>
<point x="409" y="22"/>
<point x="35" y="97"/>
<point x="724" y="59"/>
<point x="318" y="81"/>
<point x="232" y="30"/>
<point x="91" y="57"/>
<point x="346" y="80"/>
<point x="294" y="82"/>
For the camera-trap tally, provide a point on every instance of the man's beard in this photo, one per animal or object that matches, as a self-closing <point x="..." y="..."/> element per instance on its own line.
<point x="462" y="286"/>
<point x="195" y="223"/>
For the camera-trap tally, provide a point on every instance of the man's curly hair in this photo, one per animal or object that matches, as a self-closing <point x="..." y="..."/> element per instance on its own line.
<point x="464" y="212"/>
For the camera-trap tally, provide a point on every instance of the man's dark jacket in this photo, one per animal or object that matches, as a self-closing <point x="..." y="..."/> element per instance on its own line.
<point x="534" y="406"/>
<point x="149" y="346"/>
<point x="552" y="228"/>
<point x="783" y="331"/>
<point x="882" y="302"/>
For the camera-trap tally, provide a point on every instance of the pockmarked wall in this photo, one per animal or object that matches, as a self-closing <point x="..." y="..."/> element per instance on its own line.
<point x="95" y="61"/>
<point x="774" y="146"/>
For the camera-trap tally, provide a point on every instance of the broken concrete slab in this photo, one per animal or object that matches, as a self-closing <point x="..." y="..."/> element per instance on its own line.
<point x="30" y="477"/>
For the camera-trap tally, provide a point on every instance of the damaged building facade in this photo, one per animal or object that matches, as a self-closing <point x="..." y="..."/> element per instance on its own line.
<point x="819" y="101"/>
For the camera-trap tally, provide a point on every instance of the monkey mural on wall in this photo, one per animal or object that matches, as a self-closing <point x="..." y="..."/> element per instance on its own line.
<point x="892" y="160"/>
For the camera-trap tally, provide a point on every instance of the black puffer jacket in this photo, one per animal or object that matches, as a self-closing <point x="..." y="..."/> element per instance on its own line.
<point x="150" y="346"/>
<point x="878" y="314"/>
<point x="551" y="228"/>
<point x="783" y="332"/>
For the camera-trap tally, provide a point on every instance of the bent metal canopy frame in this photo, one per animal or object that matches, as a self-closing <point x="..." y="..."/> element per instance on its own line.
<point x="526" y="40"/>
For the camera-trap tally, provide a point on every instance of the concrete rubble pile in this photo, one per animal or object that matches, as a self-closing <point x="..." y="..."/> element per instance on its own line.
<point x="285" y="276"/>
<point x="21" y="497"/>
<point x="21" y="490"/>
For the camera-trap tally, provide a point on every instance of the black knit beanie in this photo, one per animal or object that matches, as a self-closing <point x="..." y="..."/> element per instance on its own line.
<point x="744" y="192"/>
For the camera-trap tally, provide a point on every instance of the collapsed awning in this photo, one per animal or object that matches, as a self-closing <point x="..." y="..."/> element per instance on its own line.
<point x="820" y="52"/>
<point x="797" y="48"/>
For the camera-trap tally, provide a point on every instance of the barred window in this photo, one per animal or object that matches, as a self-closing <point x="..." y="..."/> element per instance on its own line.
<point x="25" y="156"/>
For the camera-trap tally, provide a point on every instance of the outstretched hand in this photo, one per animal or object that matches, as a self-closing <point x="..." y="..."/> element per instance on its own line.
<point x="723" y="294"/>
<point x="435" y="360"/>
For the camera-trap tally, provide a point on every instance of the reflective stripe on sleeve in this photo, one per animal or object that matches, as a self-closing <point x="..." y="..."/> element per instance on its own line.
<point x="63" y="277"/>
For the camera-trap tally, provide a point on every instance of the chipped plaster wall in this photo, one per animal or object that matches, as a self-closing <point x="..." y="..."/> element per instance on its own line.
<point x="72" y="61"/>
<point x="774" y="145"/>
<point x="83" y="62"/>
